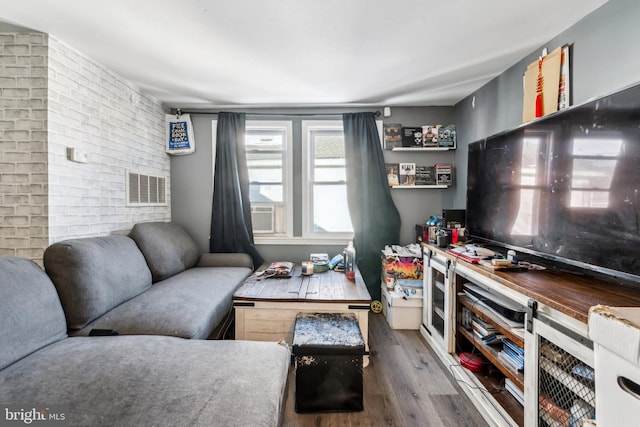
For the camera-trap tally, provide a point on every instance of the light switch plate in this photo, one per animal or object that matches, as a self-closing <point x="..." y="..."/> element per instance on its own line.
<point x="77" y="155"/>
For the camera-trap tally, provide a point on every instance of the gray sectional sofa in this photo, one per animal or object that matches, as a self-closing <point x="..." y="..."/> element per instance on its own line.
<point x="141" y="380"/>
<point x="152" y="282"/>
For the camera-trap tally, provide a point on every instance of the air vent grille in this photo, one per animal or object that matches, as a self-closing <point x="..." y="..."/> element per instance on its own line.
<point x="145" y="190"/>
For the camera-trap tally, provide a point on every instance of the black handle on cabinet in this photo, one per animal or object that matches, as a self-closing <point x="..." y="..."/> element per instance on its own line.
<point x="532" y="306"/>
<point x="631" y="387"/>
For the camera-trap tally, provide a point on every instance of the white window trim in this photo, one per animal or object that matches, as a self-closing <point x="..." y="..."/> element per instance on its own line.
<point x="307" y="190"/>
<point x="287" y="201"/>
<point x="288" y="170"/>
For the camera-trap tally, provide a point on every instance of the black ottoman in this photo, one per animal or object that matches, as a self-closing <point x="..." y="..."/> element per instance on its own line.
<point x="328" y="350"/>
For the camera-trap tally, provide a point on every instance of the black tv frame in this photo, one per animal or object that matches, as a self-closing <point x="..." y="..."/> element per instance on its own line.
<point x="626" y="99"/>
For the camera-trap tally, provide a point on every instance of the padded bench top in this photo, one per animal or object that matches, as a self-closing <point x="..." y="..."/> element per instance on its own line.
<point x="327" y="333"/>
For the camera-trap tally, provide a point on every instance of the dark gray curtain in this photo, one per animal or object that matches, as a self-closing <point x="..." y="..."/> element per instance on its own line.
<point x="231" y="228"/>
<point x="375" y="219"/>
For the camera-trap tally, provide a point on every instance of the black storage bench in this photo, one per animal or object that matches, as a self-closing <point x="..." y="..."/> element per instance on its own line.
<point x="328" y="350"/>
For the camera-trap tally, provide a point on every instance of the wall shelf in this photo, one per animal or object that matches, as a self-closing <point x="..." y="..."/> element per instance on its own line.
<point x="422" y="148"/>
<point x="411" y="187"/>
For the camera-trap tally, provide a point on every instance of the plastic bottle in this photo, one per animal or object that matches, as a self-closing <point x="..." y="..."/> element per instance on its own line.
<point x="390" y="279"/>
<point x="349" y="262"/>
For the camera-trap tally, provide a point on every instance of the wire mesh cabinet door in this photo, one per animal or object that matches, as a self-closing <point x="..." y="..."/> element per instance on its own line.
<point x="559" y="376"/>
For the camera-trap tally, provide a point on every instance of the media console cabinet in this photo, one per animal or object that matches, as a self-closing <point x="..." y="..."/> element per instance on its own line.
<point x="557" y="382"/>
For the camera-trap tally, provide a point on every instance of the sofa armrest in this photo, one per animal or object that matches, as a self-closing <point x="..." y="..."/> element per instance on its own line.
<point x="225" y="260"/>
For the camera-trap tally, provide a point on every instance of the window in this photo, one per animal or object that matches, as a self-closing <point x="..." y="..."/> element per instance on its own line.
<point x="267" y="144"/>
<point x="325" y="212"/>
<point x="297" y="187"/>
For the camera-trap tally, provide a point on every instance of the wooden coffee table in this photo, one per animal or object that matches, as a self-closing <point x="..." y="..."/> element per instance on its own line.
<point x="266" y="308"/>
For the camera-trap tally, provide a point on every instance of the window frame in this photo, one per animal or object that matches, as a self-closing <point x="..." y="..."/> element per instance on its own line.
<point x="287" y="202"/>
<point x="307" y="127"/>
<point x="287" y="175"/>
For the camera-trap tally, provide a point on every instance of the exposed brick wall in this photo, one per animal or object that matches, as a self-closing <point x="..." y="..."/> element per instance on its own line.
<point x="23" y="145"/>
<point x="53" y="97"/>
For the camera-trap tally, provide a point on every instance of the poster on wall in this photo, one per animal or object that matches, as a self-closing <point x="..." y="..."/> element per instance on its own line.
<point x="180" y="139"/>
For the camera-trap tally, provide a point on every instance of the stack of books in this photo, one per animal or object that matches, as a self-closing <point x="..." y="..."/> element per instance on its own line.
<point x="512" y="354"/>
<point x="513" y="389"/>
<point x="487" y="333"/>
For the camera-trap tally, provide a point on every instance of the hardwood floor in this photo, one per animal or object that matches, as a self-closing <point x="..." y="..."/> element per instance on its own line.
<point x="405" y="384"/>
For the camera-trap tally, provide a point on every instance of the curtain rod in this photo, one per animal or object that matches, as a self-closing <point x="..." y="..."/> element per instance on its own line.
<point x="179" y="112"/>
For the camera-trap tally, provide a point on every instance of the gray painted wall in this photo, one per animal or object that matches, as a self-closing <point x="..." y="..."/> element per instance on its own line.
<point x="191" y="178"/>
<point x="604" y="59"/>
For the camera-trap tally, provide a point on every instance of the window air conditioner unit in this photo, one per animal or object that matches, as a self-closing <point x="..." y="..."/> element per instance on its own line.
<point x="263" y="219"/>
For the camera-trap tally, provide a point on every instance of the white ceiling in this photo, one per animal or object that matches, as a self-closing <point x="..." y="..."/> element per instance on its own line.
<point x="216" y="53"/>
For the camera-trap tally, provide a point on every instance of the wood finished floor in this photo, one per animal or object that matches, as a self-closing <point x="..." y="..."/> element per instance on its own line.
<point x="405" y="384"/>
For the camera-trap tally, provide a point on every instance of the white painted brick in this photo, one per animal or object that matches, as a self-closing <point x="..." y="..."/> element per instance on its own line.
<point x="84" y="105"/>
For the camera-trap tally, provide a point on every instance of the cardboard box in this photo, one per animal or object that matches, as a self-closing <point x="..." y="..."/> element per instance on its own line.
<point x="402" y="267"/>
<point x="401" y="313"/>
<point x="410" y="287"/>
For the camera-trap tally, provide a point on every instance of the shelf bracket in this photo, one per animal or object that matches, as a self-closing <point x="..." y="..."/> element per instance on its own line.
<point x="532" y="307"/>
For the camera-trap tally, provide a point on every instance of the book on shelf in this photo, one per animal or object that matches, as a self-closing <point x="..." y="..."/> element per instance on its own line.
<point x="447" y="136"/>
<point x="412" y="137"/>
<point x="493" y="339"/>
<point x="514" y="347"/>
<point x="407" y="173"/>
<point x="430" y="136"/>
<point x="514" y="390"/>
<point x="444" y="174"/>
<point x="512" y="354"/>
<point x="393" y="174"/>
<point x="482" y="328"/>
<point x="425" y="175"/>
<point x="510" y="361"/>
<point x="392" y="135"/>
<point x="565" y="85"/>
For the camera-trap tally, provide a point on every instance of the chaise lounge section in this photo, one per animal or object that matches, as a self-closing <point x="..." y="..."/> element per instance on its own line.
<point x="152" y="282"/>
<point x="128" y="380"/>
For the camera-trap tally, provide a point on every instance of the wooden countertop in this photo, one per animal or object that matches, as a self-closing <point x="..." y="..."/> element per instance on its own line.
<point x="570" y="293"/>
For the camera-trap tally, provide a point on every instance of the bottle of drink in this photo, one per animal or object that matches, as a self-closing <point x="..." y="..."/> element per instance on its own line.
<point x="350" y="261"/>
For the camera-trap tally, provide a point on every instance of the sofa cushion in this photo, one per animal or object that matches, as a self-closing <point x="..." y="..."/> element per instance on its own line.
<point x="167" y="248"/>
<point x="95" y="274"/>
<point x="188" y="305"/>
<point x="159" y="381"/>
<point x="30" y="311"/>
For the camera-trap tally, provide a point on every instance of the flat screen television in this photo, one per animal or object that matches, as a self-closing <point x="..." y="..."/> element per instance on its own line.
<point x="565" y="187"/>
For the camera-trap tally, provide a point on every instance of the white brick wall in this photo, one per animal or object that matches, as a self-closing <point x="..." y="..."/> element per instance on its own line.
<point x="95" y="110"/>
<point x="53" y="97"/>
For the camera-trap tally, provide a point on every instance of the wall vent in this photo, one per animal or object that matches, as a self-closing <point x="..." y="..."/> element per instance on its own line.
<point x="262" y="219"/>
<point x="146" y="190"/>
